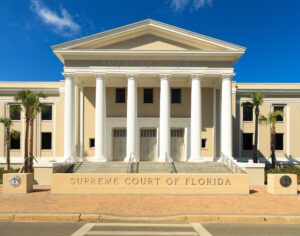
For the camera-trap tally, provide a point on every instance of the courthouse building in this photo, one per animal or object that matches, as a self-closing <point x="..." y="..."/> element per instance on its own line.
<point x="152" y="91"/>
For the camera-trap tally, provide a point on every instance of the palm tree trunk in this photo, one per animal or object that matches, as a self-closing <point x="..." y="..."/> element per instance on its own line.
<point x="8" y="148"/>
<point x="31" y="147"/>
<point x="255" y="158"/>
<point x="273" y="145"/>
<point x="26" y="163"/>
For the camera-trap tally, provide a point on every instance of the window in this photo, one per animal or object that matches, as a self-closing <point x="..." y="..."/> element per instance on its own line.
<point x="148" y="95"/>
<point x="279" y="108"/>
<point x="247" y="113"/>
<point x="15" y="142"/>
<point x="203" y="143"/>
<point x="176" y="95"/>
<point x="15" y="112"/>
<point x="279" y="142"/>
<point x="47" y="112"/>
<point x="247" y="141"/>
<point x="46" y="140"/>
<point x="120" y="95"/>
<point x="92" y="142"/>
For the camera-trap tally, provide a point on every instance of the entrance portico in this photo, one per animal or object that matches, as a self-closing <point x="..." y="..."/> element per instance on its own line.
<point x="162" y="58"/>
<point x="191" y="125"/>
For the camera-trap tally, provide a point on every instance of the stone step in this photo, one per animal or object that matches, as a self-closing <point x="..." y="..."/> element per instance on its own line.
<point x="152" y="167"/>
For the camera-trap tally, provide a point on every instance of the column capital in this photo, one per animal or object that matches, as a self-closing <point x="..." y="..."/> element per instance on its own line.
<point x="196" y="76"/>
<point x="228" y="76"/>
<point x="69" y="75"/>
<point x="132" y="75"/>
<point x="99" y="75"/>
<point x="165" y="76"/>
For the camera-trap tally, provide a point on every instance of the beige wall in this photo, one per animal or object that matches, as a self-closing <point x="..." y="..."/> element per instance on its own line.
<point x="181" y="110"/>
<point x="57" y="102"/>
<point x="289" y="129"/>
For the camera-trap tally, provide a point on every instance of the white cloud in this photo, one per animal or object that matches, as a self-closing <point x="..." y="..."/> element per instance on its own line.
<point x="180" y="5"/>
<point x="61" y="24"/>
<point x="201" y="3"/>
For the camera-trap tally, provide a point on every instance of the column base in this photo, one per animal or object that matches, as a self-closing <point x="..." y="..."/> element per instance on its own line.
<point x="195" y="159"/>
<point x="161" y="159"/>
<point x="126" y="159"/>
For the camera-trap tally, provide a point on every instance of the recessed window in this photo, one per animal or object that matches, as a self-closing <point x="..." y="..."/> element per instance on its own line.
<point x="46" y="140"/>
<point x="176" y="95"/>
<point x="92" y="142"/>
<point x="15" y="142"/>
<point x="279" y="142"/>
<point x="204" y="143"/>
<point x="148" y="95"/>
<point x="247" y="141"/>
<point x="14" y="112"/>
<point x="279" y="108"/>
<point x="120" y="95"/>
<point x="47" y="112"/>
<point x="247" y="113"/>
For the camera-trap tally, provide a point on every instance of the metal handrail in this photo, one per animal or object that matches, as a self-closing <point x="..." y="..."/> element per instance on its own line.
<point x="70" y="159"/>
<point x="133" y="164"/>
<point x="231" y="164"/>
<point x="171" y="165"/>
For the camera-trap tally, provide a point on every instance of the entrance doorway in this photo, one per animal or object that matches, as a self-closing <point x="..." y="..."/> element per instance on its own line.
<point x="177" y="144"/>
<point x="119" y="144"/>
<point x="148" y="144"/>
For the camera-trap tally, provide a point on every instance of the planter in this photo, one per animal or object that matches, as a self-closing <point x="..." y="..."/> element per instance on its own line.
<point x="17" y="183"/>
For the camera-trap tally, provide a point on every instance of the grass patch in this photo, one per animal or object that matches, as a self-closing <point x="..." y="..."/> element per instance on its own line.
<point x="2" y="171"/>
<point x="290" y="169"/>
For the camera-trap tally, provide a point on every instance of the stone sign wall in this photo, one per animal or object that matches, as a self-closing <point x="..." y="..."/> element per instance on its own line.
<point x="117" y="183"/>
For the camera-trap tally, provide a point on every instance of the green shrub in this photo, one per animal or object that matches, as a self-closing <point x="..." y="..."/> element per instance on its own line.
<point x="290" y="169"/>
<point x="2" y="171"/>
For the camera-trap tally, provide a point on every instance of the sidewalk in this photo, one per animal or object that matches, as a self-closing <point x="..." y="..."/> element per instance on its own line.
<point x="259" y="202"/>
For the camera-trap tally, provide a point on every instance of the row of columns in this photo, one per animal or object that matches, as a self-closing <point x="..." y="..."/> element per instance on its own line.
<point x="164" y="124"/>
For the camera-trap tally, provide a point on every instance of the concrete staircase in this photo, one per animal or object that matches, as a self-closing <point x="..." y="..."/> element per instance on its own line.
<point x="151" y="167"/>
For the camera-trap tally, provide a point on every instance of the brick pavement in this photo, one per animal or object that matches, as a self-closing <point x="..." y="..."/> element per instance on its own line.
<point x="258" y="202"/>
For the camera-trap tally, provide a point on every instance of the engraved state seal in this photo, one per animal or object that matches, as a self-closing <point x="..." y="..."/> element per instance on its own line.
<point x="285" y="181"/>
<point x="14" y="181"/>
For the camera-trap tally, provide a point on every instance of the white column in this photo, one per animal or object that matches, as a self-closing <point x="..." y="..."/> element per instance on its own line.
<point x="164" y="119"/>
<point x="81" y="124"/>
<point x="69" y="141"/>
<point x="215" y="121"/>
<point x="131" y="117"/>
<point x="226" y="115"/>
<point x="196" y="119"/>
<point x="100" y="115"/>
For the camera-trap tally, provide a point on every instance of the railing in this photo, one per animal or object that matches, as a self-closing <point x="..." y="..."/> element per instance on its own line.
<point x="171" y="165"/>
<point x="22" y="169"/>
<point x="133" y="164"/>
<point x="70" y="159"/>
<point x="231" y="164"/>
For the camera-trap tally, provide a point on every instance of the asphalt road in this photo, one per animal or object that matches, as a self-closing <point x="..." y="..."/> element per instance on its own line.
<point x="77" y="229"/>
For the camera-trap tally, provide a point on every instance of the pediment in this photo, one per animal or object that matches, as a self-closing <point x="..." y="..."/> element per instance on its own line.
<point x="148" y="35"/>
<point x="148" y="42"/>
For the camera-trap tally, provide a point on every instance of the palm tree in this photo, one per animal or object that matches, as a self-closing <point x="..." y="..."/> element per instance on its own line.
<point x="257" y="99"/>
<point x="7" y="122"/>
<point x="36" y="107"/>
<point x="271" y="119"/>
<point x="28" y="100"/>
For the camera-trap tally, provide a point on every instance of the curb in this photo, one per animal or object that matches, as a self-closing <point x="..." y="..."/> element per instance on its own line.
<point x="77" y="217"/>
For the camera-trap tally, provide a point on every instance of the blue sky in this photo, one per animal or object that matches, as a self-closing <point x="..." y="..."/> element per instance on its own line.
<point x="270" y="29"/>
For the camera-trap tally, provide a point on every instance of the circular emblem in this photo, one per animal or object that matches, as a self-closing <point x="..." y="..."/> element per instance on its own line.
<point x="14" y="181"/>
<point x="285" y="181"/>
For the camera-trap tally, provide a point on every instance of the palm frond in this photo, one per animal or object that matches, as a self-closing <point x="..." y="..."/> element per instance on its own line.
<point x="6" y="122"/>
<point x="15" y="134"/>
<point x="257" y="98"/>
